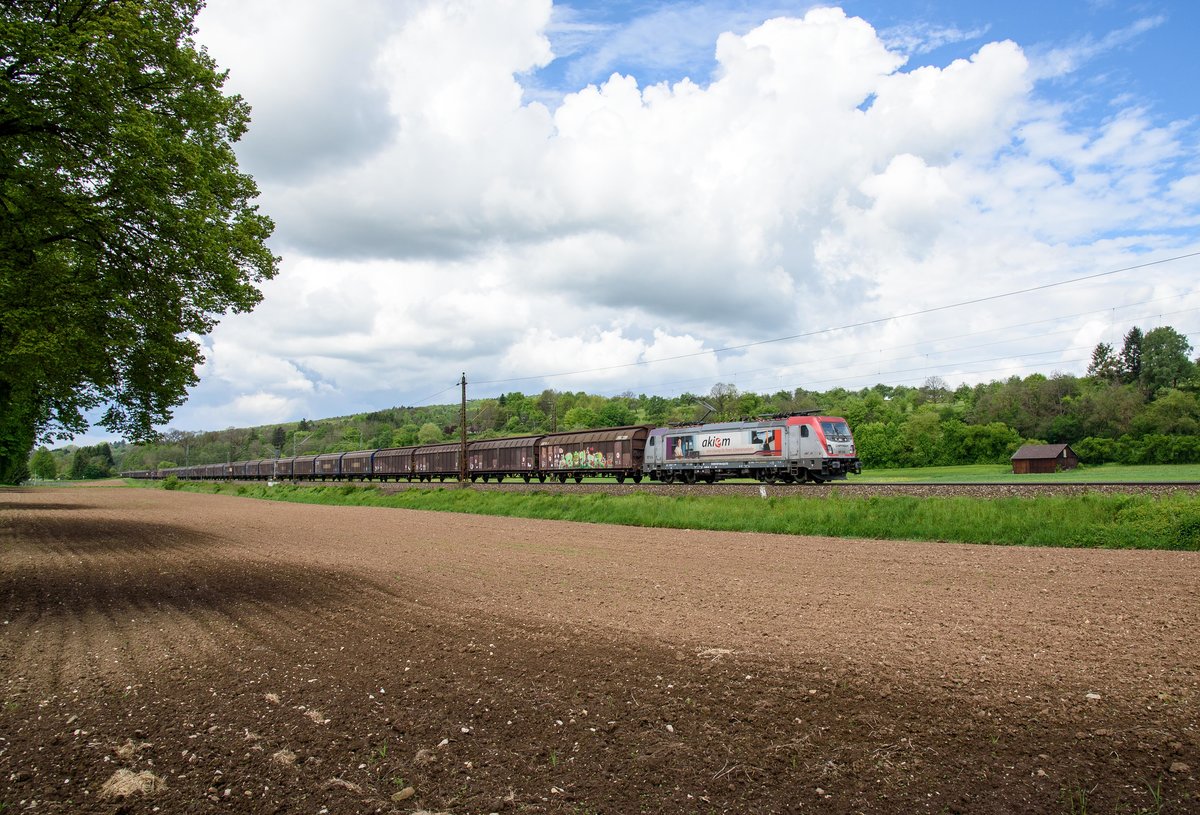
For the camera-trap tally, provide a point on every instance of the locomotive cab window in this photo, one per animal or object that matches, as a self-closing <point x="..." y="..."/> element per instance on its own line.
<point x="652" y="441"/>
<point x="804" y="431"/>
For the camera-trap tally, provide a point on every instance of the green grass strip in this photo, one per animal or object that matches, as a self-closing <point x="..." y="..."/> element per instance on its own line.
<point x="973" y="473"/>
<point x="1094" y="520"/>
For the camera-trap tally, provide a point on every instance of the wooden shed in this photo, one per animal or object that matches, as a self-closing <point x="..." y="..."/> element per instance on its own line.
<point x="1044" y="458"/>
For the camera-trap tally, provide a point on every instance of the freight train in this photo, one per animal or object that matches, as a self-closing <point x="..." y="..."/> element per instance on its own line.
<point x="794" y="449"/>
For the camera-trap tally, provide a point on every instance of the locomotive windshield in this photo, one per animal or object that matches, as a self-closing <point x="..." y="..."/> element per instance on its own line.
<point x="836" y="431"/>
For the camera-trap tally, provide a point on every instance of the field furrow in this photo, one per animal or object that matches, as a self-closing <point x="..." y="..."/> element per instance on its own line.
<point x="257" y="656"/>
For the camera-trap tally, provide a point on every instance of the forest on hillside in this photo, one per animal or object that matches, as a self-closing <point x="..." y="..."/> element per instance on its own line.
<point x="1139" y="404"/>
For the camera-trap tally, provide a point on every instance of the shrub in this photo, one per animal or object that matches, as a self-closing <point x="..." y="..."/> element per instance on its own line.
<point x="1097" y="450"/>
<point x="1165" y="524"/>
<point x="171" y="482"/>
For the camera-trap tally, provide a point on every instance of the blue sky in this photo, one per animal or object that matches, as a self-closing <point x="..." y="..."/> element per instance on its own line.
<point x="1147" y="49"/>
<point x="460" y="185"/>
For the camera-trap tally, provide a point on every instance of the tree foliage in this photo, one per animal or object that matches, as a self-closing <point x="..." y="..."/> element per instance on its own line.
<point x="93" y="462"/>
<point x="429" y="433"/>
<point x="1105" y="363"/>
<point x="1164" y="359"/>
<point x="1131" y="355"/>
<point x="125" y="225"/>
<point x="42" y="465"/>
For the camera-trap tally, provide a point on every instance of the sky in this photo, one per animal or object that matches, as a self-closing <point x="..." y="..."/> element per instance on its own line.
<point x="659" y="197"/>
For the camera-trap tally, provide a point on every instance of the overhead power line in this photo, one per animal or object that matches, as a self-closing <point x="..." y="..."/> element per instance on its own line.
<point x="848" y="326"/>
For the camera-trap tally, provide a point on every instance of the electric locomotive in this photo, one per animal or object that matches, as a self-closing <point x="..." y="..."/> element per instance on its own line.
<point x="788" y="449"/>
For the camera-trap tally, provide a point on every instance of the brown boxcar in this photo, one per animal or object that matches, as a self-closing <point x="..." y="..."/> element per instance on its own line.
<point x="328" y="465"/>
<point x="498" y="458"/>
<point x="266" y="468"/>
<point x="249" y="470"/>
<point x="357" y="464"/>
<point x="283" y="467"/>
<point x="438" y="461"/>
<point x="304" y="467"/>
<point x="617" y="451"/>
<point x="393" y="462"/>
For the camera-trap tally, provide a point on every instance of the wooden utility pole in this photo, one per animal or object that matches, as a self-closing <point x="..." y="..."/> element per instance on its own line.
<point x="462" y="429"/>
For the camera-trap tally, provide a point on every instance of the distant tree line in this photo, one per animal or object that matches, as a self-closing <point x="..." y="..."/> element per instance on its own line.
<point x="1136" y="406"/>
<point x="97" y="461"/>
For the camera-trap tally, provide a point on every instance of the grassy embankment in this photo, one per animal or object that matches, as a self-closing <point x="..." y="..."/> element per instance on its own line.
<point x="1110" y="521"/>
<point x="975" y="473"/>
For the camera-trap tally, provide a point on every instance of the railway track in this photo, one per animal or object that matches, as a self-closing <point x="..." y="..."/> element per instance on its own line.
<point x="996" y="489"/>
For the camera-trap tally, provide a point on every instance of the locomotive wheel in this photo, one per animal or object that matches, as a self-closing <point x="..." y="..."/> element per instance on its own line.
<point x="816" y="479"/>
<point x="689" y="477"/>
<point x="668" y="478"/>
<point x="710" y="478"/>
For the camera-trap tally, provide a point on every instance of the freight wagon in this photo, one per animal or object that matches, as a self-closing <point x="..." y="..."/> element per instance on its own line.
<point x="791" y="449"/>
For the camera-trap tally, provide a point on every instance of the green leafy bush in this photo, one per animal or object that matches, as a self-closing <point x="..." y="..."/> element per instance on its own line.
<point x="1165" y="524"/>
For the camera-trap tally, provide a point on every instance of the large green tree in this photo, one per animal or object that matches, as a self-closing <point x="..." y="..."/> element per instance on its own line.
<point x="1164" y="358"/>
<point x="126" y="227"/>
<point x="92" y="462"/>
<point x="1105" y="364"/>
<point x="429" y="433"/>
<point x="42" y="465"/>
<point x="1131" y="355"/>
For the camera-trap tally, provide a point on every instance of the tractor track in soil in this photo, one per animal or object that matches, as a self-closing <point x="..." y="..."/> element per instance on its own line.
<point x="267" y="657"/>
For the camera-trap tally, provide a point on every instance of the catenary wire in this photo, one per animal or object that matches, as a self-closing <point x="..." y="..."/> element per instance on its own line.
<point x="848" y="326"/>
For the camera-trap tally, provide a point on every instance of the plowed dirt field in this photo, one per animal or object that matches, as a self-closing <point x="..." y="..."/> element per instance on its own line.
<point x="173" y="652"/>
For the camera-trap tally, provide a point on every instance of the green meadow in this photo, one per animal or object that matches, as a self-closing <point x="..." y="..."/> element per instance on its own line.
<point x="1125" y="521"/>
<point x="976" y="473"/>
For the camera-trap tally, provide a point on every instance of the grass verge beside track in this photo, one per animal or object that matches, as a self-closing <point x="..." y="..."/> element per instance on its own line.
<point x="1107" y="521"/>
<point x="993" y="473"/>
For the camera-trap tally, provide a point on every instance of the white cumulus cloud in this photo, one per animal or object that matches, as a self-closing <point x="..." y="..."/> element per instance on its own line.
<point x="434" y="220"/>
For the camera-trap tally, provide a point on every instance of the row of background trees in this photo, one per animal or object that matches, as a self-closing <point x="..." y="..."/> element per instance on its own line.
<point x="1138" y="406"/>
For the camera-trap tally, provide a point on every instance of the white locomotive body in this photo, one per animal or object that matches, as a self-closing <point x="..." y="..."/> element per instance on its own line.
<point x="790" y="449"/>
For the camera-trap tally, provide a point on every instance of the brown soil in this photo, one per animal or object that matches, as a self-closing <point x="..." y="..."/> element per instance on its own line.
<point x="175" y="652"/>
